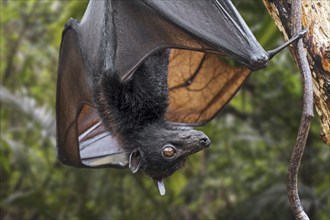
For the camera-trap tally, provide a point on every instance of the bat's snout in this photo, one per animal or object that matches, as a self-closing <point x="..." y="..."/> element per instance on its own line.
<point x="194" y="141"/>
<point x="201" y="139"/>
<point x="204" y="141"/>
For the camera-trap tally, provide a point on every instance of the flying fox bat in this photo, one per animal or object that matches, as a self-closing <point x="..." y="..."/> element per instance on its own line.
<point x="132" y="74"/>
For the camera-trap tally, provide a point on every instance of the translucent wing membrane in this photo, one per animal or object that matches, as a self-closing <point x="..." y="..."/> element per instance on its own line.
<point x="82" y="139"/>
<point x="200" y="85"/>
<point x="97" y="146"/>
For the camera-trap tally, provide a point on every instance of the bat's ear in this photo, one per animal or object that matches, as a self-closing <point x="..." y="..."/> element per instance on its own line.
<point x="135" y="159"/>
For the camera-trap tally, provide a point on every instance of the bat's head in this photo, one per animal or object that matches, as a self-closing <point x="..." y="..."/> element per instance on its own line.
<point x="161" y="150"/>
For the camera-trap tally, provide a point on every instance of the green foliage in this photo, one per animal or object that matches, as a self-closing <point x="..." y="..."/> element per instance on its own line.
<point x="242" y="175"/>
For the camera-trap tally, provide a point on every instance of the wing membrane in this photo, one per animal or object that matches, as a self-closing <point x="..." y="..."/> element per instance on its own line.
<point x="200" y="85"/>
<point x="82" y="139"/>
<point x="98" y="147"/>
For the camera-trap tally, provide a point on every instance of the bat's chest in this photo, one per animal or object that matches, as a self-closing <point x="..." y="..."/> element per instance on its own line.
<point x="145" y="104"/>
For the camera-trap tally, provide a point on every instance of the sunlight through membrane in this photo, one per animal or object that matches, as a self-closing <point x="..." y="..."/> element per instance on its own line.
<point x="200" y="85"/>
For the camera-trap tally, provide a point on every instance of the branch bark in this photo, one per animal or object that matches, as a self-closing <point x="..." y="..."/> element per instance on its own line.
<point x="306" y="119"/>
<point x="316" y="18"/>
<point x="317" y="43"/>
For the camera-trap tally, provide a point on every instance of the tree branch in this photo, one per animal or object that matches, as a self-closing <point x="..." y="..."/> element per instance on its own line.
<point x="289" y="25"/>
<point x="315" y="17"/>
<point x="306" y="118"/>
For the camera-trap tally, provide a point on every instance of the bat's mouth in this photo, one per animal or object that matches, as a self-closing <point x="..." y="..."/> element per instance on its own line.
<point x="183" y="163"/>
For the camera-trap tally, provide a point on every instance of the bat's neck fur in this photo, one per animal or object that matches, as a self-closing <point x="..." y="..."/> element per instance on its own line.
<point x="131" y="105"/>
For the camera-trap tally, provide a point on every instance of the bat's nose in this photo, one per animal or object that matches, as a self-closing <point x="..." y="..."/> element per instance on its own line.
<point x="201" y="139"/>
<point x="205" y="141"/>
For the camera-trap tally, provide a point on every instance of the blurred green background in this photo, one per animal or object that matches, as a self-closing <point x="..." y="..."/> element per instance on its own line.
<point x="242" y="175"/>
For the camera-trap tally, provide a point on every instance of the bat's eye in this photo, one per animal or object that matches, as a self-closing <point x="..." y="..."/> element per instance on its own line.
<point x="169" y="151"/>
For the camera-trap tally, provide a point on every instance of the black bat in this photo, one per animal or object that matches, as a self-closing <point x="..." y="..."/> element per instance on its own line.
<point x="127" y="75"/>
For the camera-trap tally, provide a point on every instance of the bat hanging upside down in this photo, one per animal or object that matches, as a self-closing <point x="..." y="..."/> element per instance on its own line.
<point x="135" y="76"/>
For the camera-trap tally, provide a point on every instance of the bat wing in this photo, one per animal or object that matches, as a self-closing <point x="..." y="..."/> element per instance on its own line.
<point x="200" y="85"/>
<point x="82" y="139"/>
<point x="98" y="147"/>
<point x="136" y="29"/>
<point x="119" y="35"/>
<point x="214" y="25"/>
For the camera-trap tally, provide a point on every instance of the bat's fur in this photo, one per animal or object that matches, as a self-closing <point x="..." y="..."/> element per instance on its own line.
<point x="134" y="111"/>
<point x="129" y="106"/>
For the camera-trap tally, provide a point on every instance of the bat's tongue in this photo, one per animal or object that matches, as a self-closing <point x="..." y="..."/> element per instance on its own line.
<point x="160" y="186"/>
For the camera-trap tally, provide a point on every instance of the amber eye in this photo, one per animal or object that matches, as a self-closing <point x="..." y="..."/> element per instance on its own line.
<point x="169" y="151"/>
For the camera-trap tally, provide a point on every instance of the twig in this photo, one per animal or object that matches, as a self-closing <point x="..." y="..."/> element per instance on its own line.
<point x="306" y="118"/>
